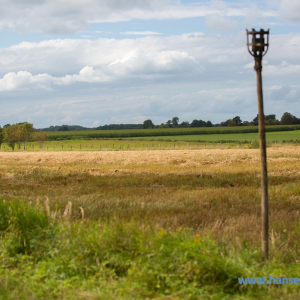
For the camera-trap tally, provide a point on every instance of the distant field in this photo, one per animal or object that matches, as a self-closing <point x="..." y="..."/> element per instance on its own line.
<point x="103" y="134"/>
<point x="191" y="142"/>
<point x="271" y="136"/>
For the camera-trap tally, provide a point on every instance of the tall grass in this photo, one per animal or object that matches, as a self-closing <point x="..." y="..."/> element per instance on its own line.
<point x="121" y="260"/>
<point x="25" y="227"/>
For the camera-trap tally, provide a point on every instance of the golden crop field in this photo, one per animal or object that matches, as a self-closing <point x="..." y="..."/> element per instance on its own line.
<point x="211" y="190"/>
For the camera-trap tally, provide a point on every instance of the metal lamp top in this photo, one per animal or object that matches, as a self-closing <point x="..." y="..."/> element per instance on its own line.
<point x="258" y="47"/>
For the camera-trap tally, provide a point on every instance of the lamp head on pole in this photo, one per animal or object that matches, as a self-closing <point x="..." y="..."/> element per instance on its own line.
<point x="260" y="42"/>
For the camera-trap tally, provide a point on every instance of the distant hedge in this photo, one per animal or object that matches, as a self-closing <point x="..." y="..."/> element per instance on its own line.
<point x="102" y="135"/>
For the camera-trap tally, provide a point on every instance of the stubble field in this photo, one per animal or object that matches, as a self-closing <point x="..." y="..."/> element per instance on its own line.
<point x="211" y="193"/>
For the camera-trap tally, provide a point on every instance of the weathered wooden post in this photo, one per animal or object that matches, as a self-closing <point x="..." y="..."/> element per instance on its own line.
<point x="258" y="48"/>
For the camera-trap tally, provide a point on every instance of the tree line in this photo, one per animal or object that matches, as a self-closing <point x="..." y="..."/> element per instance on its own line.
<point x="19" y="134"/>
<point x="286" y="119"/>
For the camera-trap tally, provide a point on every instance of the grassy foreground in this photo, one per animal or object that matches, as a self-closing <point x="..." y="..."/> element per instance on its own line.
<point x="146" y="224"/>
<point x="43" y="258"/>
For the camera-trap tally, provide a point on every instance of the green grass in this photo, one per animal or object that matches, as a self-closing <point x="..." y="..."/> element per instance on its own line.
<point x="162" y="142"/>
<point x="104" y="134"/>
<point x="234" y="137"/>
<point x="117" y="260"/>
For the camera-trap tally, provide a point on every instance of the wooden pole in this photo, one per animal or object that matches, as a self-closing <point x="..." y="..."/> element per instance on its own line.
<point x="263" y="160"/>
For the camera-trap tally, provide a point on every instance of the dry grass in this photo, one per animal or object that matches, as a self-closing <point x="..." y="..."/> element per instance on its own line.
<point x="215" y="191"/>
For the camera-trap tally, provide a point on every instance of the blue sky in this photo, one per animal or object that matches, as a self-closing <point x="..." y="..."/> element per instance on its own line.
<point x="91" y="62"/>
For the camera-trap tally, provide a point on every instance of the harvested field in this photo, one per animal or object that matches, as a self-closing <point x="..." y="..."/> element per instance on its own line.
<point x="140" y="157"/>
<point x="215" y="190"/>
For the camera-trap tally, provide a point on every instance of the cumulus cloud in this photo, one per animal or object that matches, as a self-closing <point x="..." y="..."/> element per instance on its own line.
<point x="134" y="64"/>
<point x="155" y="63"/>
<point x="24" y="80"/>
<point x="203" y="58"/>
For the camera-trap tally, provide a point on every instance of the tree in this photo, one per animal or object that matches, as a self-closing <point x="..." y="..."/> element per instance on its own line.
<point x="1" y="136"/>
<point x="270" y="117"/>
<point x="40" y="137"/>
<point x="237" y="121"/>
<point x="11" y="135"/>
<point x="64" y="128"/>
<point x="148" y="124"/>
<point x="169" y="123"/>
<point x="269" y="120"/>
<point x="175" y="121"/>
<point x="184" y="124"/>
<point x="225" y="123"/>
<point x="25" y="132"/>
<point x="288" y="119"/>
<point x="209" y="124"/>
<point x="198" y="123"/>
<point x="231" y="123"/>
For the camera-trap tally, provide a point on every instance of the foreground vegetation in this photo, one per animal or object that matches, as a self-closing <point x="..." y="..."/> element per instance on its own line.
<point x="146" y="224"/>
<point x="46" y="258"/>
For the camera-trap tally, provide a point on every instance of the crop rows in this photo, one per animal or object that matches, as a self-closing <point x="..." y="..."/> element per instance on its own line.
<point x="160" y="132"/>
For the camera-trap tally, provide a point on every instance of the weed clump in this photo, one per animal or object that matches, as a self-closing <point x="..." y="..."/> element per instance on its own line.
<point x="25" y="228"/>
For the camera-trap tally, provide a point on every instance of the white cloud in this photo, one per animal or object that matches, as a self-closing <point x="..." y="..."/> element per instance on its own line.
<point x="70" y="16"/>
<point x="177" y="58"/>
<point x="290" y="10"/>
<point x="141" y="33"/>
<point x="282" y="70"/>
<point x="24" y="80"/>
<point x="136" y="64"/>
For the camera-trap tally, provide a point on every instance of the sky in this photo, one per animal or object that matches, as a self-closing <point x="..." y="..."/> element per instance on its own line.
<point x="97" y="62"/>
